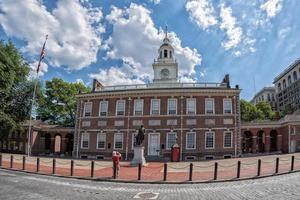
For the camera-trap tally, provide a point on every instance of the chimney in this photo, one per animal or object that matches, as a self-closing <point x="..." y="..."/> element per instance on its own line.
<point x="96" y="85"/>
<point x="226" y="80"/>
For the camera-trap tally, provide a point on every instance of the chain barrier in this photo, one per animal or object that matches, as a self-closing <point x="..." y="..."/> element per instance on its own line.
<point x="228" y="166"/>
<point x="46" y="162"/>
<point x="172" y="167"/>
<point x="284" y="160"/>
<point x="154" y="167"/>
<point x="31" y="159"/>
<point x="204" y="167"/>
<point x="82" y="165"/>
<point x="296" y="158"/>
<point x="248" y="164"/>
<point x="268" y="161"/>
<point x="18" y="158"/>
<point x="103" y="165"/>
<point x="63" y="162"/>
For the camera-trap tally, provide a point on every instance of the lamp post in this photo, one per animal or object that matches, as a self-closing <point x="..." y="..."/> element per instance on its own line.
<point x="127" y="135"/>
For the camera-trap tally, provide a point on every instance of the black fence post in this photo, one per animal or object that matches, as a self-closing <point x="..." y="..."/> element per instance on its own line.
<point x="114" y="170"/>
<point x="53" y="166"/>
<point x="37" y="164"/>
<point x="72" y="168"/>
<point x="140" y="171"/>
<point x="277" y="166"/>
<point x="216" y="171"/>
<point x="258" y="167"/>
<point x="165" y="171"/>
<point x="238" y="173"/>
<point x="292" y="163"/>
<point x="24" y="161"/>
<point x="11" y="161"/>
<point x="92" y="168"/>
<point x="0" y="160"/>
<point x="191" y="172"/>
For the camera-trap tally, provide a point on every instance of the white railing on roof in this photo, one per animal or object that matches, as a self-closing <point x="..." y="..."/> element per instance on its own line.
<point x="161" y="85"/>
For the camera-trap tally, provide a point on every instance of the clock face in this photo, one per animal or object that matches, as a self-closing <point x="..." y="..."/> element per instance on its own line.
<point x="164" y="73"/>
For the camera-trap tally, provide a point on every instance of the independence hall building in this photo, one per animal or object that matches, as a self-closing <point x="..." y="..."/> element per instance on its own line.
<point x="203" y="119"/>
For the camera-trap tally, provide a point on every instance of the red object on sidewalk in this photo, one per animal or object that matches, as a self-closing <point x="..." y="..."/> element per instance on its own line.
<point x="175" y="153"/>
<point x="116" y="158"/>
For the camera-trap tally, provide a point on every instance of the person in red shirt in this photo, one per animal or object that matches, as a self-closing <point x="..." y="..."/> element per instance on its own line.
<point x="116" y="157"/>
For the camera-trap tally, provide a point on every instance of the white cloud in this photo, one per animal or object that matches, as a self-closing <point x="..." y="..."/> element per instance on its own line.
<point x="201" y="12"/>
<point x="282" y="33"/>
<point x="33" y="67"/>
<point x="155" y="1"/>
<point x="228" y="24"/>
<point x="74" y="30"/>
<point x="272" y="7"/>
<point x="135" y="40"/>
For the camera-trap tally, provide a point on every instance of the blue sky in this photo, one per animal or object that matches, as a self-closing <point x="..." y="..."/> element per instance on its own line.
<point x="116" y="41"/>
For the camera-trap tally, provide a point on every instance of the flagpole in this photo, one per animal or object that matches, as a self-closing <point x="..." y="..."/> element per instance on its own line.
<point x="33" y="98"/>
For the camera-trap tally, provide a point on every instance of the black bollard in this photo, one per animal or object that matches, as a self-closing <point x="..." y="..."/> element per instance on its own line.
<point x="72" y="168"/>
<point x="191" y="172"/>
<point x="0" y="160"/>
<point x="292" y="163"/>
<point x="216" y="171"/>
<point x="53" y="166"/>
<point x="258" y="167"/>
<point x="24" y="161"/>
<point x="37" y="164"/>
<point x="114" y="170"/>
<point x="11" y="161"/>
<point x="92" y="168"/>
<point x="140" y="171"/>
<point x="165" y="171"/>
<point x="238" y="173"/>
<point x="277" y="166"/>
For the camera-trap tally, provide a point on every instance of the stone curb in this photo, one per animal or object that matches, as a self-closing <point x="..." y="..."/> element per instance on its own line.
<point x="149" y="182"/>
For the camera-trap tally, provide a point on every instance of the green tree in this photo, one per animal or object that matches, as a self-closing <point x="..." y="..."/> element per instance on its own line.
<point x="58" y="103"/>
<point x="15" y="89"/>
<point x="249" y="112"/>
<point x="266" y="109"/>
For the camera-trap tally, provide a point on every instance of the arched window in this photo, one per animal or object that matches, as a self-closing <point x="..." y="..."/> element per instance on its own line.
<point x="279" y="87"/>
<point x="170" y="54"/>
<point x="295" y="75"/>
<point x="284" y="83"/>
<point x="165" y="53"/>
<point x="289" y="80"/>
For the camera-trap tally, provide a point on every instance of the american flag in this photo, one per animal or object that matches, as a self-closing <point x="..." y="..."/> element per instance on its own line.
<point x="42" y="55"/>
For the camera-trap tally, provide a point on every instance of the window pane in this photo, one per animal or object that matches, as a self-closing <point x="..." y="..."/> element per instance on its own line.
<point x="227" y="139"/>
<point x="87" y="109"/>
<point x="172" y="106"/>
<point x="138" y="107"/>
<point x="191" y="106"/>
<point x="171" y="140"/>
<point x="155" y="106"/>
<point x="209" y="106"/>
<point x="227" y="106"/>
<point x="118" y="141"/>
<point x="103" y="108"/>
<point x="120" y="108"/>
<point x="191" y="138"/>
<point x="85" y="140"/>
<point x="209" y="140"/>
<point x="101" y="141"/>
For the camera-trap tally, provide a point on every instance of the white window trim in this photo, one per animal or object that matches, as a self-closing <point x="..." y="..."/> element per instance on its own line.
<point x="227" y="99"/>
<point x="195" y="110"/>
<point x="134" y="107"/>
<point x="98" y="134"/>
<point x="186" y="141"/>
<point x="84" y="109"/>
<point x="167" y="138"/>
<point x="81" y="140"/>
<point x="117" y="107"/>
<point x="213" y="100"/>
<point x="213" y="140"/>
<point x="100" y="108"/>
<point x="224" y="133"/>
<point x="175" y="104"/>
<point x="115" y="141"/>
<point x="151" y="113"/>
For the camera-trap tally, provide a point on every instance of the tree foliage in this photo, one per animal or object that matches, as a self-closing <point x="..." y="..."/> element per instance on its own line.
<point x="15" y="89"/>
<point x="260" y="111"/>
<point x="58" y="103"/>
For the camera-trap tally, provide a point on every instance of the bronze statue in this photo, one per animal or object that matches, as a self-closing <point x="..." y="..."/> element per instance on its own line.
<point x="139" y="138"/>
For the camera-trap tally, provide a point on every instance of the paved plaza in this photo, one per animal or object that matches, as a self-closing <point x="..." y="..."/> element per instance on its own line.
<point x="154" y="171"/>
<point x="19" y="185"/>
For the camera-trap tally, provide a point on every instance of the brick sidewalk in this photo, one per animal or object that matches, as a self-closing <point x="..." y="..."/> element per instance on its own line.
<point x="154" y="171"/>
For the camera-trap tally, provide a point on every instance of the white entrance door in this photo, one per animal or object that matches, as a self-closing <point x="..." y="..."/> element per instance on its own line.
<point x="153" y="144"/>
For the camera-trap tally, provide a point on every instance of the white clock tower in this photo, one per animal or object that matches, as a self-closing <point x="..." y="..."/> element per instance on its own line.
<point x="165" y="67"/>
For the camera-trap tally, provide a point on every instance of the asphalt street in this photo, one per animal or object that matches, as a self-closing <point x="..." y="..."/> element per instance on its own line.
<point x="19" y="185"/>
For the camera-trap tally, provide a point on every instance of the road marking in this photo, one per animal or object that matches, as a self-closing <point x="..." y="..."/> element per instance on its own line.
<point x="146" y="195"/>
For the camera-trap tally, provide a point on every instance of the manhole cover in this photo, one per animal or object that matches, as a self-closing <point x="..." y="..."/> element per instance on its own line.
<point x="146" y="195"/>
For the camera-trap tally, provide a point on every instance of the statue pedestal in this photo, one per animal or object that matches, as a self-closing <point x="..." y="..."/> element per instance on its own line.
<point x="138" y="156"/>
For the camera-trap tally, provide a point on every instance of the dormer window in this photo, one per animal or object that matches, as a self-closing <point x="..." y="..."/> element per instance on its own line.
<point x="165" y="53"/>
